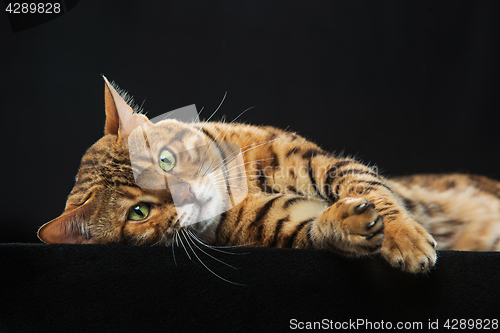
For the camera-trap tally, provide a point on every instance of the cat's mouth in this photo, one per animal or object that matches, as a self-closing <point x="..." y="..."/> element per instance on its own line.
<point x="195" y="212"/>
<point x="197" y="202"/>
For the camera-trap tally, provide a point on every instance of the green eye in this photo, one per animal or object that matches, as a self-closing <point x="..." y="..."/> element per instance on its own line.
<point x="167" y="160"/>
<point x="139" y="212"/>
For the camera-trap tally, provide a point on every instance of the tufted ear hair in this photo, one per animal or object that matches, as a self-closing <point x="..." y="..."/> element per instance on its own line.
<point x="121" y="119"/>
<point x="68" y="228"/>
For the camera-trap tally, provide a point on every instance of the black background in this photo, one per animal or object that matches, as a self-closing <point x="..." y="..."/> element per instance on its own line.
<point x="410" y="86"/>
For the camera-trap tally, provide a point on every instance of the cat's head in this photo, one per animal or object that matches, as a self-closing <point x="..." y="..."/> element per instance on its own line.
<point x="143" y="181"/>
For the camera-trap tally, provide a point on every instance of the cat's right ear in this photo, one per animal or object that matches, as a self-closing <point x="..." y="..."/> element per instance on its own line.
<point x="121" y="119"/>
<point x="68" y="228"/>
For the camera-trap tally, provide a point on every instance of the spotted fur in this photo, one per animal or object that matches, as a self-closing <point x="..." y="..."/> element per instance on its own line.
<point x="299" y="196"/>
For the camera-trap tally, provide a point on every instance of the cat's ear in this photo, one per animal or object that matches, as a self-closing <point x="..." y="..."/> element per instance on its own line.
<point x="120" y="117"/>
<point x="68" y="228"/>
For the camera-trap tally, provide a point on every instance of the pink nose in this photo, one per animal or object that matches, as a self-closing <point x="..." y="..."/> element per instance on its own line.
<point x="186" y="196"/>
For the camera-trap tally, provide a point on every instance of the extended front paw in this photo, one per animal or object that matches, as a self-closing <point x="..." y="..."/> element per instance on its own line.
<point x="353" y="225"/>
<point x="409" y="246"/>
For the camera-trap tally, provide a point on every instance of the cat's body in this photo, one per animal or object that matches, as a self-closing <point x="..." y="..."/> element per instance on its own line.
<point x="298" y="196"/>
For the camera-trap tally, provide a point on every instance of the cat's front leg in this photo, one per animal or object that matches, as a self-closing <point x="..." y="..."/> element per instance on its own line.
<point x="352" y="226"/>
<point x="407" y="244"/>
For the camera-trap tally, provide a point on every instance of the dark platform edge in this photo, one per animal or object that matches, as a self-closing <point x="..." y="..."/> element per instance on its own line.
<point x="135" y="288"/>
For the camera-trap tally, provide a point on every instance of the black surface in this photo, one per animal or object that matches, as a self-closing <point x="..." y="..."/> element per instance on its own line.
<point x="411" y="86"/>
<point x="75" y="288"/>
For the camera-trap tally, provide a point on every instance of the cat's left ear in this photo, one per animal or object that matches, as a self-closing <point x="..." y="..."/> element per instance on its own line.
<point x="68" y="228"/>
<point x="121" y="119"/>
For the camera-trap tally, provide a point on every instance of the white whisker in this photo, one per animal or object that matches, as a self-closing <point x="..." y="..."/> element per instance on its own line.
<point x="229" y="246"/>
<point x="244" y="188"/>
<point x="173" y="248"/>
<point x="201" y="261"/>
<point x="180" y="238"/>
<point x="262" y="159"/>
<point x="224" y="130"/>
<point x="263" y="143"/>
<point x="211" y="247"/>
<point x="242" y="152"/>
<point x="239" y="165"/>
<point x="220" y="104"/>
<point x="206" y="121"/>
<point x="227" y="126"/>
<point x="250" y="177"/>
<point x="208" y="254"/>
<point x="224" y="181"/>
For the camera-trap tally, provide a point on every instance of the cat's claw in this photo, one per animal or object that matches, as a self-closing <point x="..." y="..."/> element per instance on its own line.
<point x="369" y="226"/>
<point x="357" y="222"/>
<point x="362" y="207"/>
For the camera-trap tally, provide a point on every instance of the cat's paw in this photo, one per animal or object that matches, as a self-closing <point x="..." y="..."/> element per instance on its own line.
<point x="409" y="246"/>
<point x="353" y="225"/>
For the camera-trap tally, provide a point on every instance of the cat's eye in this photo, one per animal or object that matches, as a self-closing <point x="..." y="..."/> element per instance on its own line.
<point x="167" y="160"/>
<point x="138" y="212"/>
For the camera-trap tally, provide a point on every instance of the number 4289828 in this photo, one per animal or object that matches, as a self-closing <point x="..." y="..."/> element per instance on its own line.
<point x="32" y="8"/>
<point x="477" y="324"/>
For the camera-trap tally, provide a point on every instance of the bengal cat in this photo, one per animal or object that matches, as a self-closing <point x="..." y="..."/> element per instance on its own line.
<point x="296" y="194"/>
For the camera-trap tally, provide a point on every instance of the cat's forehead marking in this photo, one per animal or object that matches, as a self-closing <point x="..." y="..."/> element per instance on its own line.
<point x="136" y="195"/>
<point x="176" y="135"/>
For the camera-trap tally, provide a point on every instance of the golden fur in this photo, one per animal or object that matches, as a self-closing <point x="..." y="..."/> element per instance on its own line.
<point x="298" y="196"/>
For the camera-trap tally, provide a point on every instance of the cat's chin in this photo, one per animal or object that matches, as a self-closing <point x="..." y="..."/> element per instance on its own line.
<point x="208" y="211"/>
<point x="188" y="214"/>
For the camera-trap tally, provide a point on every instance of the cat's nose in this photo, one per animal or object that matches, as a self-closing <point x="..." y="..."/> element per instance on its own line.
<point x="186" y="196"/>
